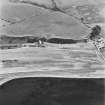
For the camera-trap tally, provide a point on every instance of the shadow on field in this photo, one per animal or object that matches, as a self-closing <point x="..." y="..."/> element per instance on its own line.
<point x="52" y="91"/>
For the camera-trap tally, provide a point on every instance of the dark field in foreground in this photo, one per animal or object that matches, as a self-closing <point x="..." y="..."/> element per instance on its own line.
<point x="52" y="91"/>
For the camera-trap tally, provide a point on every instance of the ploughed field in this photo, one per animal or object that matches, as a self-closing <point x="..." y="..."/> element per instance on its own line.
<point x="52" y="91"/>
<point x="68" y="60"/>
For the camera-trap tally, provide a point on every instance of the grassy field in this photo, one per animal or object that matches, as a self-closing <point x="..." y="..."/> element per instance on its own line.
<point x="53" y="60"/>
<point x="40" y="21"/>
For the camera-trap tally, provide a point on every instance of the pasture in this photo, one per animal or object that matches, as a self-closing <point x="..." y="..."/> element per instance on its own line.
<point x="75" y="60"/>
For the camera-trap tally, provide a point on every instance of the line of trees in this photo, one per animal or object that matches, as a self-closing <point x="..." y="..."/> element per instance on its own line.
<point x="32" y="39"/>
